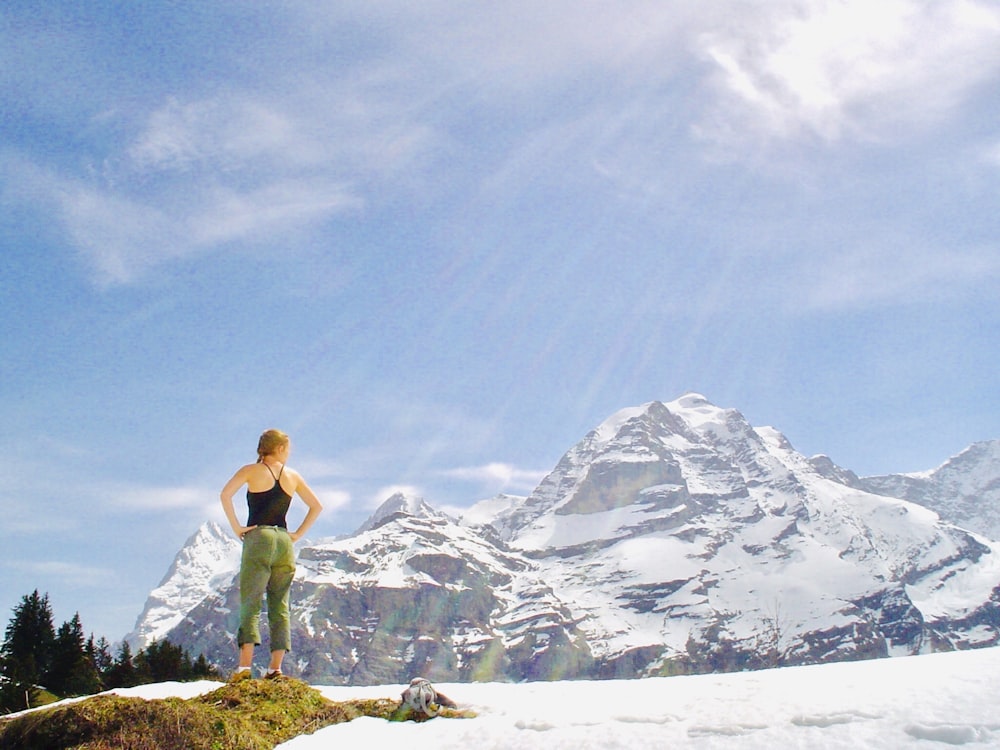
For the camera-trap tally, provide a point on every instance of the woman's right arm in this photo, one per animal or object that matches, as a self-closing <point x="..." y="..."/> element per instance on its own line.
<point x="226" y="496"/>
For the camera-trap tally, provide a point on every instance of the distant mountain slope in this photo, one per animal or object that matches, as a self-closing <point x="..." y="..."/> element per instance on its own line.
<point x="677" y="528"/>
<point x="672" y="538"/>
<point x="207" y="562"/>
<point x="965" y="490"/>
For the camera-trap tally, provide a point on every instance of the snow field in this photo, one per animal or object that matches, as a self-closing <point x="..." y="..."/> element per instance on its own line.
<point x="920" y="702"/>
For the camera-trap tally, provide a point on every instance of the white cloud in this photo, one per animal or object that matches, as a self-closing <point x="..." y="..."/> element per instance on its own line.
<point x="203" y="175"/>
<point x="124" y="235"/>
<point x="332" y="498"/>
<point x="119" y="236"/>
<point x="73" y="574"/>
<point x="199" y="501"/>
<point x="28" y="524"/>
<point x="234" y="214"/>
<point x="900" y="272"/>
<point x="848" y="68"/>
<point x="144" y="498"/>
<point x="215" y="132"/>
<point x="298" y="143"/>
<point x="517" y="45"/>
<point x="504" y="475"/>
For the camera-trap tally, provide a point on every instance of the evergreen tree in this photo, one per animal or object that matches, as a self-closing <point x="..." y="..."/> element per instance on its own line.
<point x="72" y="671"/>
<point x="122" y="672"/>
<point x="163" y="661"/>
<point x="203" y="670"/>
<point x="100" y="655"/>
<point x="25" y="656"/>
<point x="34" y="655"/>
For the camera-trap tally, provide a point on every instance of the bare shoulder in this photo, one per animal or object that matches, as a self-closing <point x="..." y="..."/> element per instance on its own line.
<point x="299" y="481"/>
<point x="244" y="471"/>
<point x="243" y="475"/>
<point x="303" y="490"/>
<point x="253" y="470"/>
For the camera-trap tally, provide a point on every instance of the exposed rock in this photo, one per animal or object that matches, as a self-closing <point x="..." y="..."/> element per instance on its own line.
<point x="672" y="538"/>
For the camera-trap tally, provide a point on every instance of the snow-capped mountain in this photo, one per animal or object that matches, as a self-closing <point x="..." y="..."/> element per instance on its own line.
<point x="412" y="591"/>
<point x="680" y="528"/>
<point x="673" y="538"/>
<point x="397" y="504"/>
<point x="965" y="490"/>
<point x="207" y="562"/>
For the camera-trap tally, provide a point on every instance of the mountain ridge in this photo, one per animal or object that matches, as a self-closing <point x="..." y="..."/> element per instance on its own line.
<point x="965" y="489"/>
<point x="674" y="537"/>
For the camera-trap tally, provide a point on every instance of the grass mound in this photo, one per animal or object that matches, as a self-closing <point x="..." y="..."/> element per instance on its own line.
<point x="247" y="715"/>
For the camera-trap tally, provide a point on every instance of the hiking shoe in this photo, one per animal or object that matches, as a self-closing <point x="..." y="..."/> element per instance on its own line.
<point x="240" y="674"/>
<point x="275" y="675"/>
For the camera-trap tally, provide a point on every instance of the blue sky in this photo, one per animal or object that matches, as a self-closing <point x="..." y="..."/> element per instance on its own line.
<point x="438" y="243"/>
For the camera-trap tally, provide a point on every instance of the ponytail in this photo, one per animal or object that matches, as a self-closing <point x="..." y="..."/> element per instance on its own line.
<point x="269" y="443"/>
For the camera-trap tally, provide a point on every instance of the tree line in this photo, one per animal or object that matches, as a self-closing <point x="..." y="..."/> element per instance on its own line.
<point x="40" y="663"/>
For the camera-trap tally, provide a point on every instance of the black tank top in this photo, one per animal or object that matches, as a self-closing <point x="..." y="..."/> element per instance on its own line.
<point x="268" y="508"/>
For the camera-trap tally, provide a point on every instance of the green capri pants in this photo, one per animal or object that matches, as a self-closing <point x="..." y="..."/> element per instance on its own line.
<point x="266" y="568"/>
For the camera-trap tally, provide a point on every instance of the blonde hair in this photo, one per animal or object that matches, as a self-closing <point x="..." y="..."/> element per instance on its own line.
<point x="270" y="441"/>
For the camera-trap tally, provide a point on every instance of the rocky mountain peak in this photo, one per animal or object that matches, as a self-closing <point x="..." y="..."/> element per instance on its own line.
<point x="673" y="537"/>
<point x="656" y="458"/>
<point x="208" y="560"/>
<point x="397" y="504"/>
<point x="825" y="467"/>
<point x="964" y="490"/>
<point x="978" y="461"/>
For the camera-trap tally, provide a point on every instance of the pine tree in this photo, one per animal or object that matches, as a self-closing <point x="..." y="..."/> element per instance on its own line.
<point x="122" y="672"/>
<point x="202" y="670"/>
<point x="34" y="655"/>
<point x="163" y="661"/>
<point x="72" y="671"/>
<point x="100" y="655"/>
<point x="25" y="656"/>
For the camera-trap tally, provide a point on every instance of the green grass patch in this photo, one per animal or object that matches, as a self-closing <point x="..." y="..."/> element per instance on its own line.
<point x="247" y="715"/>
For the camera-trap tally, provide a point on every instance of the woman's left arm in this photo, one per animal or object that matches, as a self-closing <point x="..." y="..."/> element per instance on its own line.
<point x="312" y="502"/>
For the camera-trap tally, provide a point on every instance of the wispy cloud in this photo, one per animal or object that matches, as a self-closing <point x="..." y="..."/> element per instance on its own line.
<point x="847" y="69"/>
<point x="902" y="272"/>
<point x="503" y="99"/>
<point x="197" y="504"/>
<point x="222" y="133"/>
<point x="139" y="498"/>
<point x="73" y="574"/>
<point x="238" y="214"/>
<point x="32" y="523"/>
<point x="202" y="175"/>
<point x="332" y="498"/>
<point x="119" y="236"/>
<point x="123" y="235"/>
<point x="502" y="476"/>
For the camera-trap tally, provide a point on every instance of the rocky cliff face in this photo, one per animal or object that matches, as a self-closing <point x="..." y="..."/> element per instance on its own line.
<point x="679" y="530"/>
<point x="205" y="565"/>
<point x="410" y="594"/>
<point x="673" y="538"/>
<point x="965" y="490"/>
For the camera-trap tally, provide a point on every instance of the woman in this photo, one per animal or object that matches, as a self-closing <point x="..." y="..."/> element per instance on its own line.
<point x="268" y="562"/>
